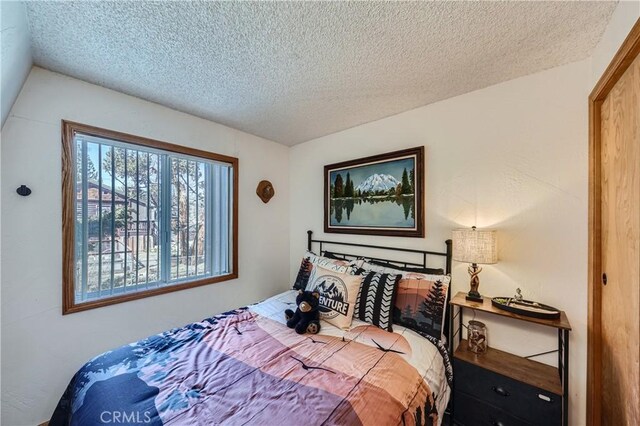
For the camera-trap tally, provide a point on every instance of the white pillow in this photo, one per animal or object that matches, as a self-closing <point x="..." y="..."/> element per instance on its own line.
<point x="383" y="269"/>
<point x="338" y="293"/>
<point x="357" y="263"/>
<point x="335" y="265"/>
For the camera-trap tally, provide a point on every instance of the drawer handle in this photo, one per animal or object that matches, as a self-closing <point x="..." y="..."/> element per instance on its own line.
<point x="500" y="391"/>
<point x="545" y="398"/>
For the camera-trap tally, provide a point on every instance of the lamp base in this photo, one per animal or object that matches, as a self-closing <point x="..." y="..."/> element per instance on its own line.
<point x="474" y="296"/>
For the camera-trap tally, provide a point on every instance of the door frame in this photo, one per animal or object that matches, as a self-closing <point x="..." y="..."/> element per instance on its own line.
<point x="619" y="64"/>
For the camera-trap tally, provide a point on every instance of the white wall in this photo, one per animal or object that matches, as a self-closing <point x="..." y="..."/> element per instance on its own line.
<point x="15" y="53"/>
<point x="511" y="157"/>
<point x="623" y="18"/>
<point x="41" y="349"/>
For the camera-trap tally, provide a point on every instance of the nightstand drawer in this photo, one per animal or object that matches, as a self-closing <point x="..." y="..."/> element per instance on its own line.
<point x="469" y="411"/>
<point x="521" y="400"/>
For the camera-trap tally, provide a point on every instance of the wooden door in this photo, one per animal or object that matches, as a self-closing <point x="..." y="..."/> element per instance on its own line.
<point x="620" y="154"/>
<point x="614" y="314"/>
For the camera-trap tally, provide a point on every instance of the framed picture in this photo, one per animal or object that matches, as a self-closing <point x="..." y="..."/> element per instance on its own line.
<point x="378" y="195"/>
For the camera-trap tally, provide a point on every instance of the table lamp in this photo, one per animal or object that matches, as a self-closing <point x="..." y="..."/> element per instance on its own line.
<point x="475" y="247"/>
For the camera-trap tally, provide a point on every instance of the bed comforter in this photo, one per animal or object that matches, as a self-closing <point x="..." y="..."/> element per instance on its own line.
<point x="247" y="367"/>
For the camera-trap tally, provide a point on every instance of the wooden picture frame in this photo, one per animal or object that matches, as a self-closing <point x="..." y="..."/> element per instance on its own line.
<point x="367" y="190"/>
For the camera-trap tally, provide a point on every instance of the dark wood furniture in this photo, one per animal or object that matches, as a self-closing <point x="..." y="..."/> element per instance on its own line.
<point x="498" y="388"/>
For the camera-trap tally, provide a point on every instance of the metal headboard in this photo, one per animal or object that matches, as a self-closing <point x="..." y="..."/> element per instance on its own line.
<point x="424" y="253"/>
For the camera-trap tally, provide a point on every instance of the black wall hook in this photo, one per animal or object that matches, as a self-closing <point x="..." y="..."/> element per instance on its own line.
<point x="24" y="190"/>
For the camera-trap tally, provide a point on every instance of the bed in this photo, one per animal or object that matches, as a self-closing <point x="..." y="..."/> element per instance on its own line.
<point x="246" y="367"/>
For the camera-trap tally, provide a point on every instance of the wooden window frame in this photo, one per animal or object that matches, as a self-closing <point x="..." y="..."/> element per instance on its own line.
<point x="69" y="130"/>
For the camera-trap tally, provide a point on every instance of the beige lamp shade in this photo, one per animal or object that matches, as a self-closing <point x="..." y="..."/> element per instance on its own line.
<point x="475" y="246"/>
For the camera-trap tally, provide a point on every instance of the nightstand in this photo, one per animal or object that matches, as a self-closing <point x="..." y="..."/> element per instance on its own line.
<point x="498" y="388"/>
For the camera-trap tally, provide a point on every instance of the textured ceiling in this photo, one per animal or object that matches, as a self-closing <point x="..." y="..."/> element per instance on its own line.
<point x="294" y="71"/>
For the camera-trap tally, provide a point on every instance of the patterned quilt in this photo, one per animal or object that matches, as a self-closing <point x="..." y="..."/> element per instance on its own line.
<point x="247" y="367"/>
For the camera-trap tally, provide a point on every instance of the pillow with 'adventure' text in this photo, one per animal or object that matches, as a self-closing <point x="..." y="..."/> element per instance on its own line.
<point x="338" y="293"/>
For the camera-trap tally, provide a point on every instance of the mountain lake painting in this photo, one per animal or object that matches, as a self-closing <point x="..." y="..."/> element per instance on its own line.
<point x="379" y="195"/>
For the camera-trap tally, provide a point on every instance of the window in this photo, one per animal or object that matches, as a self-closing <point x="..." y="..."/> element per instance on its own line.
<point x="143" y="217"/>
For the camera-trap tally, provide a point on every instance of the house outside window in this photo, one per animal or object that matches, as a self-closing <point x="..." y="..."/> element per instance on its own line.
<point x="143" y="217"/>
